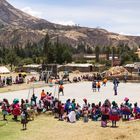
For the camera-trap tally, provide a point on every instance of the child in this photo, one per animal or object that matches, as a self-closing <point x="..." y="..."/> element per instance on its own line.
<point x="85" y="115"/>
<point x="98" y="86"/>
<point x="24" y="120"/>
<point x="104" y="82"/>
<point x="61" y="89"/>
<point x="94" y="86"/>
<point x="95" y="114"/>
<point x="78" y="111"/>
<point x="39" y="107"/>
<point x="56" y="108"/>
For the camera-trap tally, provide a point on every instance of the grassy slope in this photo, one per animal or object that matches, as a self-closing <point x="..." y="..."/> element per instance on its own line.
<point x="47" y="128"/>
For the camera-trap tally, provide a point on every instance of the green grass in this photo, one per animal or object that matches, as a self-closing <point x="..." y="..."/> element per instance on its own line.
<point x="45" y="127"/>
<point x="8" y="129"/>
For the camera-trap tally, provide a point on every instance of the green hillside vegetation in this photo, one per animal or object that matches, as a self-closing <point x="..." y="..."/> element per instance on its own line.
<point x="56" y="52"/>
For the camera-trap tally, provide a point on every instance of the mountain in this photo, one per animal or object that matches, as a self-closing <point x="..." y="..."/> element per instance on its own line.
<point x="17" y="28"/>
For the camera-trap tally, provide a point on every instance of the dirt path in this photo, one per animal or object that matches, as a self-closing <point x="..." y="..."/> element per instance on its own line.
<point x="82" y="90"/>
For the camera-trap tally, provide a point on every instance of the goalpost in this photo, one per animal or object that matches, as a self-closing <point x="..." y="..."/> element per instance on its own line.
<point x="43" y="84"/>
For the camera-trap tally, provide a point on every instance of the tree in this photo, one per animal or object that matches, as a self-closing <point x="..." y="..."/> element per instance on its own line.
<point x="89" y="50"/>
<point x="45" y="47"/>
<point x="97" y="53"/>
<point x="12" y="58"/>
<point x="113" y="52"/>
<point x="67" y="56"/>
<point x="107" y="52"/>
<point x="27" y="61"/>
<point x="51" y="53"/>
<point x="81" y="48"/>
<point x="126" y="54"/>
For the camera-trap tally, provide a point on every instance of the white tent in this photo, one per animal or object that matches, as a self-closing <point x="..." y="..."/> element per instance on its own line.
<point x="3" y="70"/>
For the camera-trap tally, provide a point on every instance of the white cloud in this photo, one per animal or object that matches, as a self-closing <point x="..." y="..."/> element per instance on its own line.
<point x="69" y="22"/>
<point x="32" y="12"/>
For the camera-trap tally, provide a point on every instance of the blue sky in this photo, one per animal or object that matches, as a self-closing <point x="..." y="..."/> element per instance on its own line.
<point x="121" y="16"/>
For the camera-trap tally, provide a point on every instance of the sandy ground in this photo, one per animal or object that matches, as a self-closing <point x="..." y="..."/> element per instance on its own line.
<point x="82" y="90"/>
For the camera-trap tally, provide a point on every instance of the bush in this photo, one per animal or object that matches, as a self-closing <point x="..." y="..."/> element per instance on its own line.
<point x="27" y="61"/>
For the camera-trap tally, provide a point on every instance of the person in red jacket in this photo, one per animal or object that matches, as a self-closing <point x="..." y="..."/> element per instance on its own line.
<point x="61" y="89"/>
<point x="15" y="109"/>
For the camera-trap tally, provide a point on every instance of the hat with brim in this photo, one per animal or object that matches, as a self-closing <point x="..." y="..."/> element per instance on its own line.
<point x="113" y="103"/>
<point x="15" y="101"/>
<point x="126" y="99"/>
<point x="85" y="100"/>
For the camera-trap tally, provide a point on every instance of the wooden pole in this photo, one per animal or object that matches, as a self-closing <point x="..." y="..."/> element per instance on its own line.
<point x="58" y="93"/>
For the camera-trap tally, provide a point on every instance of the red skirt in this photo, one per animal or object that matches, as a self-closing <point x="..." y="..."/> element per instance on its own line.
<point x="16" y="112"/>
<point x="114" y="117"/>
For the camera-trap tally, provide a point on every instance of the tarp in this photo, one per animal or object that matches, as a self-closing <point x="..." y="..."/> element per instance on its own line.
<point x="3" y="70"/>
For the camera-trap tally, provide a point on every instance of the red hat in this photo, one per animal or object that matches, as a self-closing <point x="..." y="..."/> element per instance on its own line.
<point x="85" y="100"/>
<point x="126" y="99"/>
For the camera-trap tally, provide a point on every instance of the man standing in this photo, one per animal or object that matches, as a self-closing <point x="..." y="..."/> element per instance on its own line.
<point x="115" y="82"/>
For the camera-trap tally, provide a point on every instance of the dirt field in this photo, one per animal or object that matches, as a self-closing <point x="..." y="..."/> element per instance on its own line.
<point x="82" y="90"/>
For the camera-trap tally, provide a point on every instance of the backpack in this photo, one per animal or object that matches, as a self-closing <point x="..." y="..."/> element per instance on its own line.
<point x="114" y="111"/>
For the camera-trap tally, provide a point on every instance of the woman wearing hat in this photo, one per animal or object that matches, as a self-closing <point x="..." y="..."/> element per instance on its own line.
<point x="126" y="109"/>
<point x="105" y="109"/>
<point x="16" y="109"/>
<point x="136" y="111"/>
<point x="114" y="114"/>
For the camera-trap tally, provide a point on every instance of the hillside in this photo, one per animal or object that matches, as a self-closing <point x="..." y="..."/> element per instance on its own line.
<point x="17" y="27"/>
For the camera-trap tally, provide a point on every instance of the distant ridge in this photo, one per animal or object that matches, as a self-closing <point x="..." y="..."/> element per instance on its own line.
<point x="17" y="28"/>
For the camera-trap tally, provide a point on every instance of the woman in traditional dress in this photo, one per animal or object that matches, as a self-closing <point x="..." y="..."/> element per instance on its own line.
<point x="105" y="109"/>
<point x="5" y="108"/>
<point x="114" y="114"/>
<point x="15" y="109"/>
